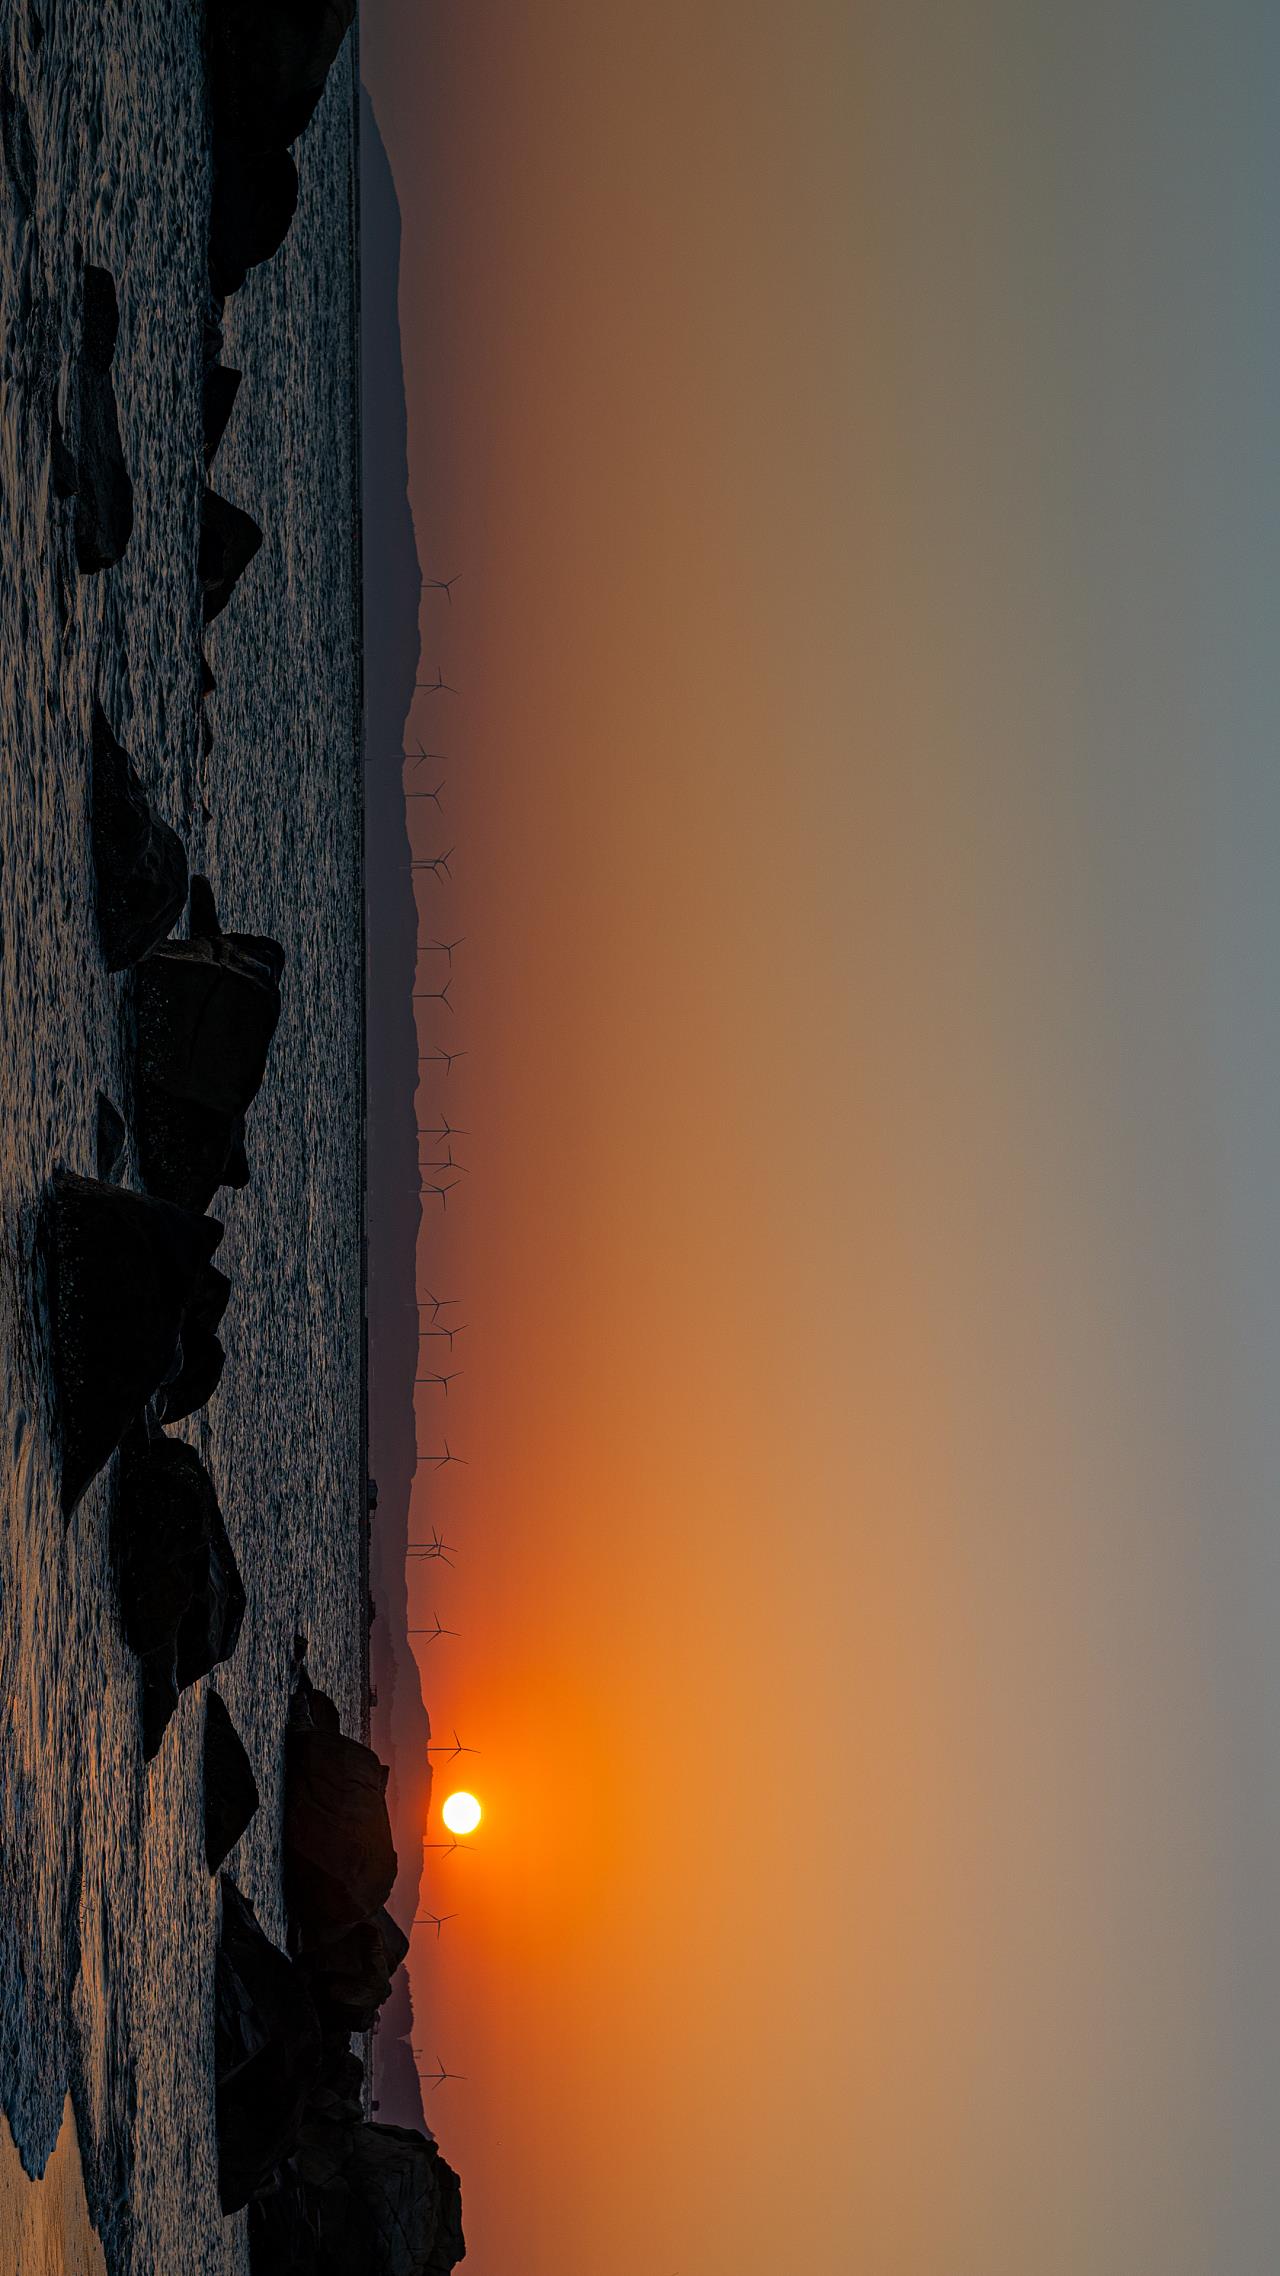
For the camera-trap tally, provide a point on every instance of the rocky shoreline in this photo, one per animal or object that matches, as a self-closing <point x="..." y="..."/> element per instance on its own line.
<point x="136" y="1302"/>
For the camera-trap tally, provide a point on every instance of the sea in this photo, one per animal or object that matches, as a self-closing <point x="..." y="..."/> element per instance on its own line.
<point x="107" y="1911"/>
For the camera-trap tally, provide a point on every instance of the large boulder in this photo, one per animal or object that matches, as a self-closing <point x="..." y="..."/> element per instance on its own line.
<point x="351" y="1977"/>
<point x="104" y="492"/>
<point x="181" y="1597"/>
<point x="229" y="538"/>
<point x="394" y="2208"/>
<point x="230" y="1789"/>
<point x="338" y="1857"/>
<point x="201" y="1356"/>
<point x="255" y="197"/>
<point x="268" y="62"/>
<point x="207" y="1009"/>
<point x="122" y="1269"/>
<point x="267" y="2053"/>
<point x="140" y="864"/>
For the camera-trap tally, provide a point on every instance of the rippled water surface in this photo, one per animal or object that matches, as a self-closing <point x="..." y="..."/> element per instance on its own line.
<point x="107" y="1912"/>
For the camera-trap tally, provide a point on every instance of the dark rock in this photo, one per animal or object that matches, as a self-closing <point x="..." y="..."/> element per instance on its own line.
<point x="140" y="864"/>
<point x="230" y="1789"/>
<point x="311" y="1709"/>
<point x="342" y="2072"/>
<point x="181" y="1596"/>
<point x="183" y="1149"/>
<point x="212" y="333"/>
<point x="266" y="2053"/>
<point x="255" y="197"/>
<point x="122" y="1269"/>
<point x="268" y="62"/>
<point x="229" y="539"/>
<point x="393" y="2208"/>
<point x="207" y="680"/>
<point x="104" y="492"/>
<point x="109" y="1138"/>
<point x="337" y="1853"/>
<point x="201" y="1356"/>
<point x="221" y="387"/>
<point x="351" y="1978"/>
<point x="198" y="1377"/>
<point x="282" y="2237"/>
<point x="206" y="1012"/>
<point x="203" y="923"/>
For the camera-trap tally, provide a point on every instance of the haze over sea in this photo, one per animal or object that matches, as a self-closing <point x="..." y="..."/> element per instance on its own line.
<point x="107" y="1912"/>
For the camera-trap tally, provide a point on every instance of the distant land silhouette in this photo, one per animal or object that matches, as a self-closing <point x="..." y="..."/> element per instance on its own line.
<point x="400" y="1727"/>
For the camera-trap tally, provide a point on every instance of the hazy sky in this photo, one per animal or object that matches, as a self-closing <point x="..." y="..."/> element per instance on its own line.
<point x="857" y="429"/>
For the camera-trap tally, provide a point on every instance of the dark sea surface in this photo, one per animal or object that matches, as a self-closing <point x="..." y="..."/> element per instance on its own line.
<point x="107" y="1913"/>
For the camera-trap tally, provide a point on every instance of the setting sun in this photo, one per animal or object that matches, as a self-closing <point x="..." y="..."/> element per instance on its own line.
<point x="462" y="1813"/>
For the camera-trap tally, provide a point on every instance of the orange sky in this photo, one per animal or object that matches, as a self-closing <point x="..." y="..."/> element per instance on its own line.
<point x="843" y="1243"/>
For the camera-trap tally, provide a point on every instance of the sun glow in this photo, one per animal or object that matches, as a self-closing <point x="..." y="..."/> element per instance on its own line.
<point x="462" y="1813"/>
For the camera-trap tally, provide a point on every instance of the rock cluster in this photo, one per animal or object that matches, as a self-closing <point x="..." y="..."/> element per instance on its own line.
<point x="330" y="2194"/>
<point x="122" y="1270"/>
<point x="268" y="62"/>
<point x="136" y="1304"/>
<point x="207" y="1008"/>
<point x="181" y="1596"/>
<point x="267" y="2052"/>
<point x="339" y="1861"/>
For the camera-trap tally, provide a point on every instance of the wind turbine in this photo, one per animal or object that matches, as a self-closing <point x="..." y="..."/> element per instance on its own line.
<point x="451" y="1753"/>
<point x="448" y="1164"/>
<point x="439" y="2074"/>
<point x="436" y="1547"/>
<point x="438" y="1304"/>
<point x="434" y="1920"/>
<point x="438" y="1461"/>
<point x="432" y="1633"/>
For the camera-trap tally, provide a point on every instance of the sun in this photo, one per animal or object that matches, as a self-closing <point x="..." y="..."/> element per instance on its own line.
<point x="462" y="1813"/>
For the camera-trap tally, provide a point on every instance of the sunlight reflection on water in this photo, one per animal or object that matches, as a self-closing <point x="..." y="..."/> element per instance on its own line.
<point x="45" y="2228"/>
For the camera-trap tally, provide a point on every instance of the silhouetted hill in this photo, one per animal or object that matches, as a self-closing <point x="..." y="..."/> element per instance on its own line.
<point x="400" y="1729"/>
